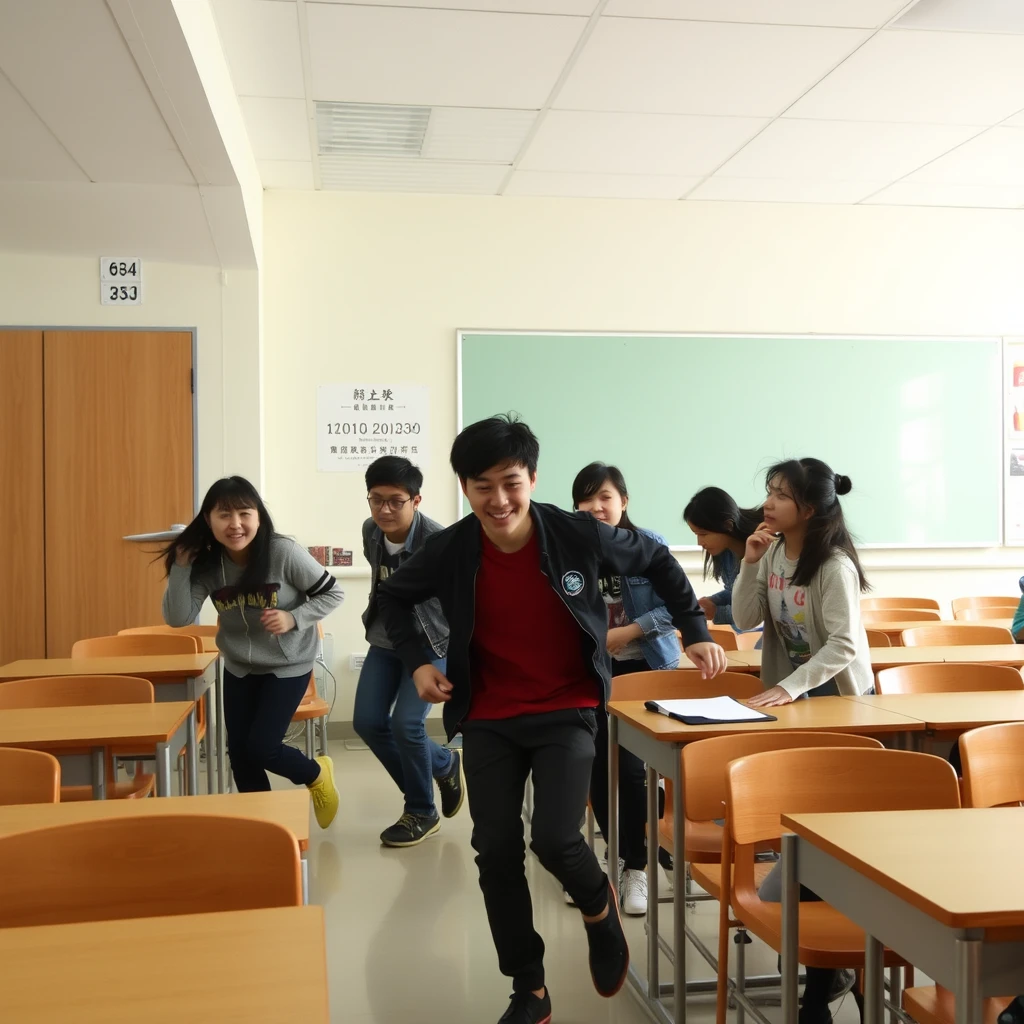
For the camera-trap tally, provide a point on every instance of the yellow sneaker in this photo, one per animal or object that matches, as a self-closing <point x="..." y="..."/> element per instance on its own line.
<point x="324" y="793"/>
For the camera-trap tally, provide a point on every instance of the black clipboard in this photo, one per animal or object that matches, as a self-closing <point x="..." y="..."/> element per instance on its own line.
<point x="652" y="705"/>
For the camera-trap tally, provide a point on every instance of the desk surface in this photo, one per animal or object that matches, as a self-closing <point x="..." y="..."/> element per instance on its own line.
<point x="891" y="657"/>
<point x="243" y="967"/>
<point x="898" y="627"/>
<point x="287" y="807"/>
<point x="959" y="867"/>
<point x="98" y="725"/>
<point x="149" y="666"/>
<point x="952" y="710"/>
<point x="828" y="714"/>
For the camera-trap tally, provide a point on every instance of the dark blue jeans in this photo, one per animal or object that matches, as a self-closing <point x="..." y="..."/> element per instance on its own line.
<point x="389" y="717"/>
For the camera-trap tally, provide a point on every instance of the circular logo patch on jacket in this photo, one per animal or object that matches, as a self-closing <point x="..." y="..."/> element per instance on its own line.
<point x="572" y="582"/>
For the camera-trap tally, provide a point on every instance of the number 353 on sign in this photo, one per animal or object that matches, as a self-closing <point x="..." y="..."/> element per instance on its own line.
<point x="120" y="281"/>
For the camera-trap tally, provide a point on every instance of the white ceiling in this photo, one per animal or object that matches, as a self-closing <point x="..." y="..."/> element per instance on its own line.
<point x="819" y="101"/>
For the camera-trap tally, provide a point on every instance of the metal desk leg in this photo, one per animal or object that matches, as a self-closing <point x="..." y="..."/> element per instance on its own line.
<point x="790" y="928"/>
<point x="874" y="976"/>
<point x="163" y="769"/>
<point x="653" y="952"/>
<point x="968" y="987"/>
<point x="612" y="839"/>
<point x="679" y="906"/>
<point x="212" y="782"/>
<point x="192" y="744"/>
<point x="223" y="772"/>
<point x="99" y="773"/>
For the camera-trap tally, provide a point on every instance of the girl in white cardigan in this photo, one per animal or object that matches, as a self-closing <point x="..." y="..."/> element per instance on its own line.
<point x="801" y="575"/>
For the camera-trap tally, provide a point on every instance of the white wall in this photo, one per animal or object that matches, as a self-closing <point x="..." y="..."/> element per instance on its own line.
<point x="357" y="285"/>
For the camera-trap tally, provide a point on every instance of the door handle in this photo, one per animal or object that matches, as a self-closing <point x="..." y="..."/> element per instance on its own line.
<point x="142" y="538"/>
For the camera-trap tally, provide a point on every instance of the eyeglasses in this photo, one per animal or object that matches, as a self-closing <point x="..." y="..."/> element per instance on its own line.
<point x="391" y="504"/>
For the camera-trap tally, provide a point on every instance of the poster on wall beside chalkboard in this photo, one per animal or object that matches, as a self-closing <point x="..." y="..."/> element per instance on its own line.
<point x="358" y="423"/>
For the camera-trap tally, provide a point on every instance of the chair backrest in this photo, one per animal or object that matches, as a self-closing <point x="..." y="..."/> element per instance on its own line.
<point x="28" y="776"/>
<point x="155" y="866"/>
<point x="133" y="644"/>
<point x="875" y="603"/>
<point x="200" y="631"/>
<point x="761" y="788"/>
<point x="705" y="762"/>
<point x="748" y="641"/>
<point x="993" y="765"/>
<point x="955" y="634"/>
<point x="674" y="683"/>
<point x="725" y="638"/>
<point x="982" y="614"/>
<point x="947" y="678"/>
<point x="883" y="615"/>
<point x="960" y="603"/>
<point x="74" y="691"/>
<point x="876" y="638"/>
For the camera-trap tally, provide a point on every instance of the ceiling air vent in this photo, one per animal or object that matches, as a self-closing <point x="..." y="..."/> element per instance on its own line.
<point x="370" y="129"/>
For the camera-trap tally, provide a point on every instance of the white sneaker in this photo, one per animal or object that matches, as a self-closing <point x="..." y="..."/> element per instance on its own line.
<point x="634" y="892"/>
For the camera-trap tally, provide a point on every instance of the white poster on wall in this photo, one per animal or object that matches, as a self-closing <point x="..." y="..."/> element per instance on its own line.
<point x="357" y="423"/>
<point x="1013" y="453"/>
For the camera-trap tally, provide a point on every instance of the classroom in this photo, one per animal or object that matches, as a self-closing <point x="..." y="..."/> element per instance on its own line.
<point x="749" y="272"/>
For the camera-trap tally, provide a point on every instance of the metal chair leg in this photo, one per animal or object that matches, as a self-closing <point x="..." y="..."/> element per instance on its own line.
<point x="309" y="738"/>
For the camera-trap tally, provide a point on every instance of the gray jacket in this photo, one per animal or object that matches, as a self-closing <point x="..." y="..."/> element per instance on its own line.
<point x="428" y="614"/>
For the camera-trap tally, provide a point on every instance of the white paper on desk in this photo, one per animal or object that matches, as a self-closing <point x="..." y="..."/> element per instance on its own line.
<point x="718" y="709"/>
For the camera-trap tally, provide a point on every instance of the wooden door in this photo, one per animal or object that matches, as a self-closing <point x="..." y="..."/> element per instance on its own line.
<point x="118" y="461"/>
<point x="23" y="630"/>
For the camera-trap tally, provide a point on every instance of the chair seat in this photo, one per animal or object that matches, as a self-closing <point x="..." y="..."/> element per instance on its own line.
<point x="308" y="709"/>
<point x="709" y="876"/>
<point x="134" y="789"/>
<point x="827" y="938"/>
<point x="932" y="1004"/>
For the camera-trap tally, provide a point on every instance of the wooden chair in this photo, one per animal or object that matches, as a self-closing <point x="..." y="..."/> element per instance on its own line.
<point x="877" y="603"/>
<point x="28" y="777"/>
<point x="748" y="641"/>
<point x="984" y="614"/>
<point x="955" y="634"/>
<point x="993" y="765"/>
<point x="880" y="616"/>
<point x="762" y="787"/>
<point x="83" y="691"/>
<point x="947" y="678"/>
<point x="933" y="1004"/>
<point x="876" y="638"/>
<point x="725" y="638"/>
<point x="313" y="708"/>
<point x="119" y="868"/>
<point x="991" y="604"/>
<point x="200" y="631"/>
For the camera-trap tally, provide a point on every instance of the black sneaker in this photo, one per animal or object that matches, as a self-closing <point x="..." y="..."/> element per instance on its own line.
<point x="844" y="980"/>
<point x="452" y="787"/>
<point x="526" y="1008"/>
<point x="410" y="830"/>
<point x="609" y="953"/>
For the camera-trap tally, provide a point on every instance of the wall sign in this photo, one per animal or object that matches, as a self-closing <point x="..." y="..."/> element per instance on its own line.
<point x="120" y="281"/>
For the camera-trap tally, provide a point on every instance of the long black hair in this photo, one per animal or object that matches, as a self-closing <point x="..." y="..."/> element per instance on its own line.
<point x="590" y="479"/>
<point x="814" y="486"/>
<point x="716" y="511"/>
<point x="233" y="492"/>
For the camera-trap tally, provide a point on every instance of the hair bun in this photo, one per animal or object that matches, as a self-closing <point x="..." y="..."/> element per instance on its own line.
<point x="843" y="485"/>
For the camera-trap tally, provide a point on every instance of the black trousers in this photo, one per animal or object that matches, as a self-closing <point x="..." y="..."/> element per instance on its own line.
<point x="257" y="712"/>
<point x="558" y="748"/>
<point x="632" y="786"/>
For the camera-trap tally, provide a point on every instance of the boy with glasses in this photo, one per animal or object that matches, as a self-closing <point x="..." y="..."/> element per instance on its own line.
<point x="389" y="715"/>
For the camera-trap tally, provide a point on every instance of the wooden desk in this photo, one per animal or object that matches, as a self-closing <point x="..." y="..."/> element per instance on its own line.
<point x="892" y="657"/>
<point x="658" y="741"/>
<point x="243" y="967"/>
<point x="894" y="629"/>
<point x="738" y="662"/>
<point x="951" y="711"/>
<point x="175" y="677"/>
<point x="157" y="727"/>
<point x="287" y="807"/>
<point x="941" y="888"/>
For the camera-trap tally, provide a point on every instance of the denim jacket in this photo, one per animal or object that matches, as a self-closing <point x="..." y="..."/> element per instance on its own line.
<point x="428" y="614"/>
<point x="659" y="644"/>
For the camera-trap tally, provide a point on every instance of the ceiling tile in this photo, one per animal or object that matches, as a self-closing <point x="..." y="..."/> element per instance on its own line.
<point x="783" y="190"/>
<point x="30" y="152"/>
<point x="840" y="13"/>
<point x="924" y="77"/>
<point x="437" y="57"/>
<point x="1017" y="121"/>
<point x="293" y="174"/>
<point x="904" y="193"/>
<point x="996" y="157"/>
<point x="842" y="150"/>
<point x="598" y="186"/>
<point x="371" y="174"/>
<point x="648" y="144"/>
<point x="965" y="16"/>
<point x="690" y="67"/>
<point x="461" y="133"/>
<point x="278" y="128"/>
<point x="579" y="7"/>
<point x="260" y="39"/>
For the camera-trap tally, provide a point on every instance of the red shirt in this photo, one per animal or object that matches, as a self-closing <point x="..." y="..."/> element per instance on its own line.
<point x="526" y="655"/>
